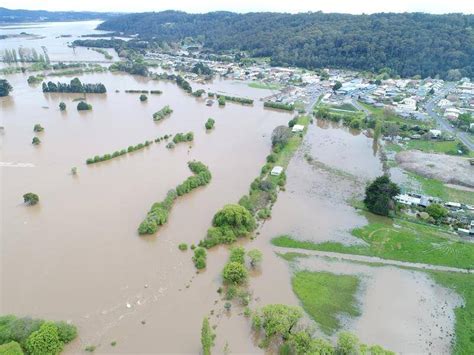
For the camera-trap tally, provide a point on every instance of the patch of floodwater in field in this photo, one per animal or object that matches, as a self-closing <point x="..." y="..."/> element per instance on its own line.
<point x="402" y="310"/>
<point x="77" y="253"/>
<point x="315" y="204"/>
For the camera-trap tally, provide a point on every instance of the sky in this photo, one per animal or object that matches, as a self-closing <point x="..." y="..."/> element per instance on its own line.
<point x="199" y="6"/>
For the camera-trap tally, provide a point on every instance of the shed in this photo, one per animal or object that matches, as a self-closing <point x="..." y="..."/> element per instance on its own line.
<point x="297" y="128"/>
<point x="276" y="171"/>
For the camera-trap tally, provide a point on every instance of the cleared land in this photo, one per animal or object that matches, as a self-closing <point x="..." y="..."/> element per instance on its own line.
<point x="448" y="169"/>
<point x="326" y="297"/>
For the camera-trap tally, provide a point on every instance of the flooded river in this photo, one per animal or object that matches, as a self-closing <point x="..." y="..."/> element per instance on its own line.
<point x="76" y="256"/>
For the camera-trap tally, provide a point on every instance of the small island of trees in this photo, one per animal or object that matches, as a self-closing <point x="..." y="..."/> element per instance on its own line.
<point x="83" y="106"/>
<point x="30" y="198"/>
<point x="5" y="88"/>
<point x="36" y="141"/>
<point x="210" y="123"/>
<point x="143" y="97"/>
<point x="38" y="128"/>
<point x="183" y="137"/>
<point x="62" y="106"/>
<point x="163" y="113"/>
<point x="158" y="214"/>
<point x="75" y="86"/>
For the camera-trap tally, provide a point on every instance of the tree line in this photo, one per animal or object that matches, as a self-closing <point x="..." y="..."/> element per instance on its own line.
<point x="407" y="43"/>
<point x="75" y="86"/>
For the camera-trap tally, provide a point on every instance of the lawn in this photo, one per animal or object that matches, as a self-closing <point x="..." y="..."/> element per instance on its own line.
<point x="438" y="189"/>
<point x="267" y="86"/>
<point x="463" y="284"/>
<point x="285" y="155"/>
<point x="381" y="114"/>
<point x="431" y="146"/>
<point x="326" y="297"/>
<point x="403" y="241"/>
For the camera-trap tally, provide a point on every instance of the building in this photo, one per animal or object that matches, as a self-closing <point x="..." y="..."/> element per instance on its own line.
<point x="297" y="128"/>
<point x="276" y="171"/>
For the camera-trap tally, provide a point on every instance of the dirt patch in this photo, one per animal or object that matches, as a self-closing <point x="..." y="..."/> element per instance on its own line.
<point x="449" y="169"/>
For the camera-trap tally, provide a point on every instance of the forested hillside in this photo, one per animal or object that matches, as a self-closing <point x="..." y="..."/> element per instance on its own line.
<point x="409" y="43"/>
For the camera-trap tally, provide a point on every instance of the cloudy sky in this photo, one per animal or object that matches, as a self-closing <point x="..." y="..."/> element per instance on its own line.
<point x="348" y="6"/>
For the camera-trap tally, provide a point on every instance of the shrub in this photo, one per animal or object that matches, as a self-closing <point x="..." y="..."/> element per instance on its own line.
<point x="255" y="256"/>
<point x="62" y="106"/>
<point x="38" y="128"/>
<point x="436" y="211"/>
<point x="210" y="123"/>
<point x="237" y="254"/>
<point x="264" y="213"/>
<point x="234" y="273"/>
<point x="199" y="258"/>
<point x="11" y="348"/>
<point x="183" y="137"/>
<point x="45" y="340"/>
<point x="163" y="113"/>
<point x="280" y="136"/>
<point x="30" y="198"/>
<point x="183" y="247"/>
<point x="207" y="337"/>
<point x="230" y="223"/>
<point x="36" y="141"/>
<point x="272" y="158"/>
<point x="66" y="332"/>
<point x="221" y="101"/>
<point x="143" y="97"/>
<point x="83" y="106"/>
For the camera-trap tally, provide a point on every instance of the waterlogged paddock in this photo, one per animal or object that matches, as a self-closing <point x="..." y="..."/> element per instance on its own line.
<point x="77" y="253"/>
<point x="402" y="310"/>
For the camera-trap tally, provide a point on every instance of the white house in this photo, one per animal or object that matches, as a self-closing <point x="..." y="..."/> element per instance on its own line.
<point x="297" y="128"/>
<point x="276" y="171"/>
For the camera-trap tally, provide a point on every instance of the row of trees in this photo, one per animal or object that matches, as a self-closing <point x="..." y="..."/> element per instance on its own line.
<point x="117" y="153"/>
<point x="163" y="113"/>
<point x="25" y="55"/>
<point x="158" y="214"/>
<point x="279" y="105"/>
<point x="75" y="86"/>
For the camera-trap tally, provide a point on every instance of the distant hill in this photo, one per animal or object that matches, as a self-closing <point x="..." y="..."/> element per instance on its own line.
<point x="409" y="43"/>
<point x="16" y="16"/>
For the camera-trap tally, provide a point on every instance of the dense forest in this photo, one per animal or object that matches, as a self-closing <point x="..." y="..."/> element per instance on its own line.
<point x="409" y="43"/>
<point x="15" y="16"/>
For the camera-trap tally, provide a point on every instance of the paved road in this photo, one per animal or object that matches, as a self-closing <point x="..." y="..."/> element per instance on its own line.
<point x="443" y="123"/>
<point x="373" y="260"/>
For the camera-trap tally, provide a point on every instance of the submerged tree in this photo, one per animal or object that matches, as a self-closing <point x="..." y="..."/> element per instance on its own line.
<point x="30" y="198"/>
<point x="5" y="87"/>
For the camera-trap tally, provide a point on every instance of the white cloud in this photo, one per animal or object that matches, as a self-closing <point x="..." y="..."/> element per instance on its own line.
<point x="347" y="6"/>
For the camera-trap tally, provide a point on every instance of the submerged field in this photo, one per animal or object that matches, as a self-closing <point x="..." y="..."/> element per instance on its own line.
<point x="400" y="240"/>
<point x="326" y="297"/>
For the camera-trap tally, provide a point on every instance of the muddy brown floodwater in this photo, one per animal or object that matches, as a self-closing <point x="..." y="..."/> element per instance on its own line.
<point x="76" y="256"/>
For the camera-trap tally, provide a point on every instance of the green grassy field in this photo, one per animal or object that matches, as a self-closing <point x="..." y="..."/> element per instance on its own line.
<point x="438" y="189"/>
<point x="463" y="284"/>
<point x="326" y="296"/>
<point x="379" y="113"/>
<point x="403" y="241"/>
<point x="444" y="147"/>
<point x="268" y="86"/>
